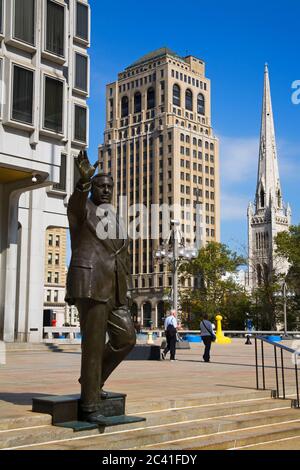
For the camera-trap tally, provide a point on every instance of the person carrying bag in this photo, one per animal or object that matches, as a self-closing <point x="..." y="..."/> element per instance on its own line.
<point x="207" y="335"/>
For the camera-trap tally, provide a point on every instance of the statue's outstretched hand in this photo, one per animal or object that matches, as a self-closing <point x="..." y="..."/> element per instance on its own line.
<point x="85" y="168"/>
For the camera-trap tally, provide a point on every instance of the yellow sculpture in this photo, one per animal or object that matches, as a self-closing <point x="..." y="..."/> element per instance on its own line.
<point x="221" y="339"/>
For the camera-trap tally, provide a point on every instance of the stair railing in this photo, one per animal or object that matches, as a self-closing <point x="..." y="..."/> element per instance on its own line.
<point x="279" y="369"/>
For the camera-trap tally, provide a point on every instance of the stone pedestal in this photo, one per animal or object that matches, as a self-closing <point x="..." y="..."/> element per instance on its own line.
<point x="144" y="352"/>
<point x="65" y="411"/>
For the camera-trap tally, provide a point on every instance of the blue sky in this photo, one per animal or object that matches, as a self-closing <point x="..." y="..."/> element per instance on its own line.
<point x="235" y="39"/>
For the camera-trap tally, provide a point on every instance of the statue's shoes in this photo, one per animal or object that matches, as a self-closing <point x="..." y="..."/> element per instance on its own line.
<point x="95" y="417"/>
<point x="104" y="394"/>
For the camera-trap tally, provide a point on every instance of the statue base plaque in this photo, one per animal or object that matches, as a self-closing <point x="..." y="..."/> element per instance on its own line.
<point x="65" y="411"/>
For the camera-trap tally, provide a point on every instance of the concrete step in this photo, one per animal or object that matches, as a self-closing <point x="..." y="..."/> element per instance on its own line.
<point x="160" y="428"/>
<point x="234" y="439"/>
<point x="194" y="400"/>
<point x="25" y="420"/>
<point x="284" y="443"/>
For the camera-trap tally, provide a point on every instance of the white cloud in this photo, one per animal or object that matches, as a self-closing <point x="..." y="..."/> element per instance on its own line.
<point x="238" y="158"/>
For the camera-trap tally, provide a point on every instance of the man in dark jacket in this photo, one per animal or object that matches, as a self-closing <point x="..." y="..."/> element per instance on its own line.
<point x="97" y="283"/>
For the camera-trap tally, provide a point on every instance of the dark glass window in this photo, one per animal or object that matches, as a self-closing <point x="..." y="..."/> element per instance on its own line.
<point x="53" y="118"/>
<point x="137" y="102"/>
<point x="82" y="21"/>
<point x="80" y="123"/>
<point x="176" y="95"/>
<point x="24" y="21"/>
<point x="150" y="98"/>
<point x="22" y="95"/>
<point x="55" y="36"/>
<point x="124" y="106"/>
<point x="81" y="72"/>
<point x="201" y="104"/>
<point x="61" y="186"/>
<point x="189" y="100"/>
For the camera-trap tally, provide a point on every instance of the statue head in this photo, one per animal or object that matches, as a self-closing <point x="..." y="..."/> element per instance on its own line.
<point x="102" y="189"/>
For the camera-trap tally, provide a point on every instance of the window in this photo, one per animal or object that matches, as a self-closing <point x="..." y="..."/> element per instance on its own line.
<point x="53" y="117"/>
<point x="56" y="296"/>
<point x="61" y="186"/>
<point x="55" y="32"/>
<point x="137" y="102"/>
<point x="48" y="295"/>
<point x="82" y="21"/>
<point x="57" y="259"/>
<point x="176" y="95"/>
<point x="50" y="239"/>
<point x="189" y="100"/>
<point x="124" y="106"/>
<point x="49" y="258"/>
<point x="49" y="277"/>
<point x="57" y="240"/>
<point x="22" y="95"/>
<point x="80" y="123"/>
<point x="24" y="21"/>
<point x="201" y="104"/>
<point x="81" y="72"/>
<point x="56" y="278"/>
<point x="150" y="98"/>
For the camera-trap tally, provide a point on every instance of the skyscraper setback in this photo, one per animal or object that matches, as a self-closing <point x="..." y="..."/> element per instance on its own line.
<point x="160" y="148"/>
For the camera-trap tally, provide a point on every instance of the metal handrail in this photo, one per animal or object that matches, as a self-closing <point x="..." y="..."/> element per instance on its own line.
<point x="276" y="393"/>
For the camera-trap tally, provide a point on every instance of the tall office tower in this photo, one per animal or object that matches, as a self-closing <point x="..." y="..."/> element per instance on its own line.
<point x="44" y="77"/>
<point x="268" y="216"/>
<point x="160" y="148"/>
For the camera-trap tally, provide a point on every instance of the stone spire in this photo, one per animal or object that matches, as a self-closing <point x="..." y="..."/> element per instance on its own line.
<point x="268" y="188"/>
<point x="269" y="215"/>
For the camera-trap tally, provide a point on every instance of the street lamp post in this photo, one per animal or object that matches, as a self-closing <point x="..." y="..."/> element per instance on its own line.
<point x="174" y="255"/>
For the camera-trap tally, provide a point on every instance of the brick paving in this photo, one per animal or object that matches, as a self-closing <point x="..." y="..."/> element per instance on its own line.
<point x="29" y="373"/>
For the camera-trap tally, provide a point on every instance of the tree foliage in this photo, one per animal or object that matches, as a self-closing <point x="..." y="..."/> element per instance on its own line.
<point x="214" y="293"/>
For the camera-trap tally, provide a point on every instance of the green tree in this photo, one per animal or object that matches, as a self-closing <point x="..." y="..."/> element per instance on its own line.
<point x="213" y="293"/>
<point x="288" y="246"/>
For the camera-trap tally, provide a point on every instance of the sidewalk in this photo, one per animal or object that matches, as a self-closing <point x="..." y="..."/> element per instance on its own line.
<point x="31" y="373"/>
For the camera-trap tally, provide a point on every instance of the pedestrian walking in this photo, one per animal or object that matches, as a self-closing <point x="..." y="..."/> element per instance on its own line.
<point x="171" y="333"/>
<point x="207" y="335"/>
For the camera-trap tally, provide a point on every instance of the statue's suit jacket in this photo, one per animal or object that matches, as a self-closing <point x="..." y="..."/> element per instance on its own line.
<point x="99" y="268"/>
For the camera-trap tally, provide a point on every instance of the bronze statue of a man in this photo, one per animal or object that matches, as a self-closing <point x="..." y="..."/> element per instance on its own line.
<point x="97" y="284"/>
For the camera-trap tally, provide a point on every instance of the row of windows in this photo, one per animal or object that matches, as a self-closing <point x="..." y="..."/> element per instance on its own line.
<point x="51" y="240"/>
<point x="196" y="167"/>
<point x="54" y="258"/>
<point x="189" y="105"/>
<point x="49" y="296"/>
<point x="190" y="127"/>
<point x="53" y="277"/>
<point x="187" y="139"/>
<point x="188" y="79"/>
<point x="196" y="192"/>
<point x="53" y="105"/>
<point x="137" y="107"/>
<point x="25" y="24"/>
<point x="137" y="83"/>
<point x="142" y="69"/>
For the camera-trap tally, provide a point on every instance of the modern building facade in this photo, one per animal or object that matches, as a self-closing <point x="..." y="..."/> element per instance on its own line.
<point x="160" y="148"/>
<point x="268" y="215"/>
<point x="44" y="73"/>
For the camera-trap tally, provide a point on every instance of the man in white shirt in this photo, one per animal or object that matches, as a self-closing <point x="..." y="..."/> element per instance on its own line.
<point x="170" y="332"/>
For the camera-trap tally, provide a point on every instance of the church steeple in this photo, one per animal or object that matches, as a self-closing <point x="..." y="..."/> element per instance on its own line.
<point x="269" y="216"/>
<point x="268" y="188"/>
